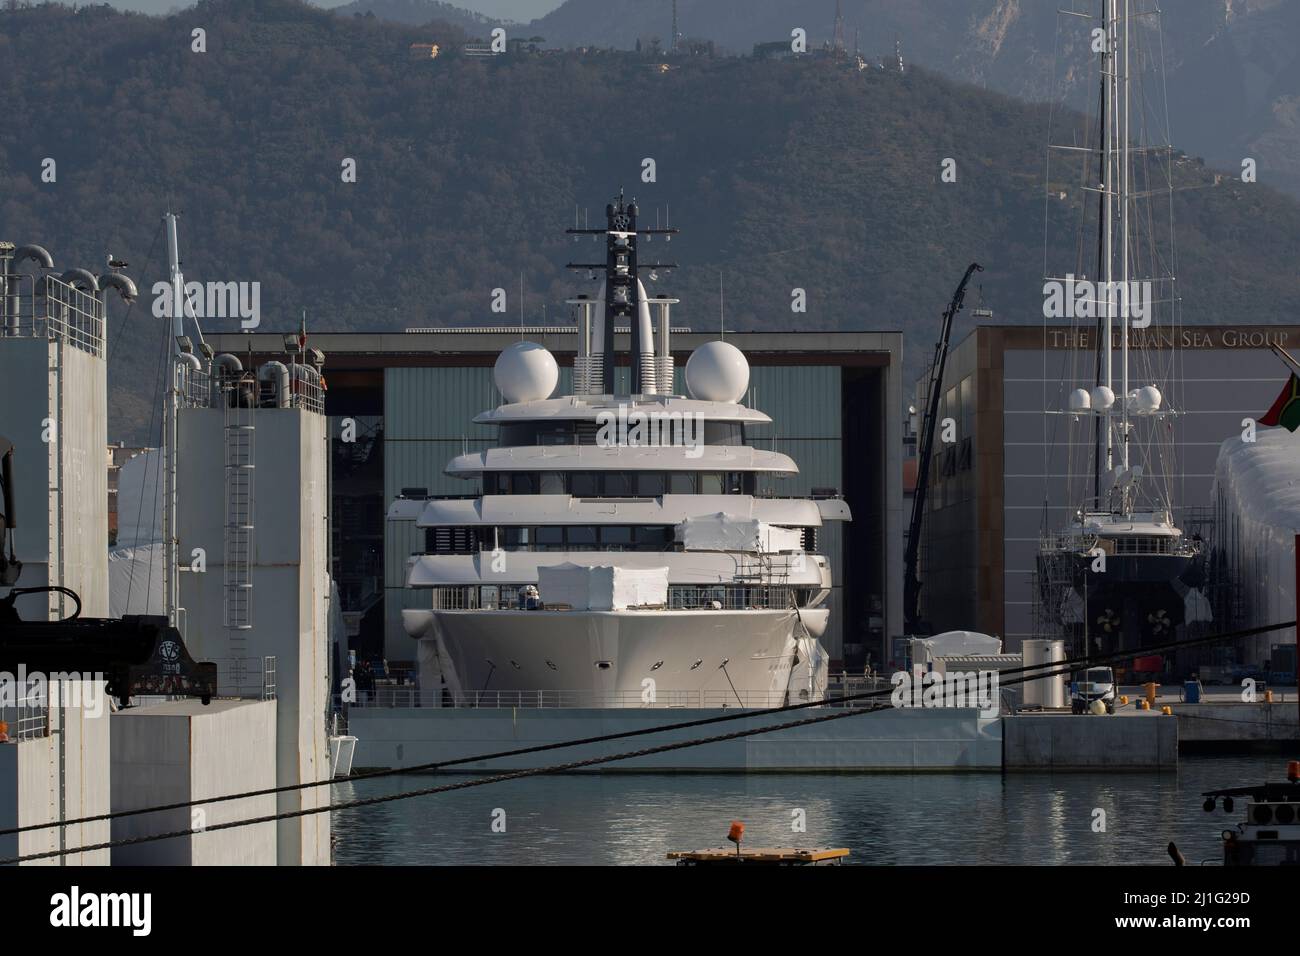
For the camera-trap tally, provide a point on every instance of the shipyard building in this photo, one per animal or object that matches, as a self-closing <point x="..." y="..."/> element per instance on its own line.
<point x="401" y="406"/>
<point x="1002" y="480"/>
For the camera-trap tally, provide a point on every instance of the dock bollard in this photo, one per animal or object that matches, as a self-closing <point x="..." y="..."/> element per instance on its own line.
<point x="1167" y="711"/>
<point x="1268" y="697"/>
<point x="1150" y="690"/>
<point x="1144" y="704"/>
<point x="1123" y="700"/>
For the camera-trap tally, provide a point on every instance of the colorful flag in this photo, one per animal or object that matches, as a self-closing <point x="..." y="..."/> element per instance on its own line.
<point x="1286" y="410"/>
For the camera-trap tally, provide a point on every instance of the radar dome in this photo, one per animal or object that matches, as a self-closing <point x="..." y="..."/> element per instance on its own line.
<point x="526" y="372"/>
<point x="1147" y="399"/>
<point x="1080" y="400"/>
<point x="717" y="372"/>
<point x="1102" y="397"/>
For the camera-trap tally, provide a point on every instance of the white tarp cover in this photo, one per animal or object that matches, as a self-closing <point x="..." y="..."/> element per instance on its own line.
<point x="1256" y="491"/>
<point x="602" y="587"/>
<point x="135" y="580"/>
<point x="954" y="644"/>
<point x="720" y="532"/>
<point x="139" y="501"/>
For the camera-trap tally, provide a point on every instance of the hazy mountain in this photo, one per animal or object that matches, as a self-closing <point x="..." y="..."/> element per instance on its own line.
<point x="1233" y="66"/>
<point x="419" y="12"/>
<point x="786" y="175"/>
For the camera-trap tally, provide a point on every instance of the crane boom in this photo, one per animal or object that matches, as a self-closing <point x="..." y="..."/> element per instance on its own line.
<point x="911" y="582"/>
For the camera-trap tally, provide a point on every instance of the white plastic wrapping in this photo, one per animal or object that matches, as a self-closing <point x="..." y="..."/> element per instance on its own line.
<point x="602" y="587"/>
<point x="720" y="532"/>
<point x="1257" y="497"/>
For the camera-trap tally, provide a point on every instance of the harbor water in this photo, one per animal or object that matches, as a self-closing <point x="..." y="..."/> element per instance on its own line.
<point x="935" y="818"/>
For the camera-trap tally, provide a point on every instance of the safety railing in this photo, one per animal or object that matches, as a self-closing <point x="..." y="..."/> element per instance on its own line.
<point x="47" y="307"/>
<point x="247" y="678"/>
<point x="402" y="697"/>
<point x="26" y="718"/>
<point x="681" y="597"/>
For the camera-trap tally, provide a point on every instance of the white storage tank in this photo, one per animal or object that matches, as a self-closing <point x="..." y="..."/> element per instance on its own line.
<point x="1045" y="692"/>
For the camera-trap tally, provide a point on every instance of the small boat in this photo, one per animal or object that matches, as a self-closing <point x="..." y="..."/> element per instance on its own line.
<point x="1270" y="834"/>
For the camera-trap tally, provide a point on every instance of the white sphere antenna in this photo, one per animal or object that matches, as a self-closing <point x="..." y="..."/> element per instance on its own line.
<point x="526" y="372"/>
<point x="717" y="372"/>
<point x="1080" y="400"/>
<point x="1147" y="399"/>
<point x="1102" y="398"/>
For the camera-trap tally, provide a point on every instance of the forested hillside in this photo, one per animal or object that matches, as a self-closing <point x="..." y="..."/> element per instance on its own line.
<point x="780" y="175"/>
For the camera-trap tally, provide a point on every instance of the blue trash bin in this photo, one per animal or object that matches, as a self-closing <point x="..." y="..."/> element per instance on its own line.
<point x="1192" y="691"/>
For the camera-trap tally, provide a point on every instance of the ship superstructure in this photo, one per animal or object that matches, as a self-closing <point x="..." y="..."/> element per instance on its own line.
<point x="622" y="549"/>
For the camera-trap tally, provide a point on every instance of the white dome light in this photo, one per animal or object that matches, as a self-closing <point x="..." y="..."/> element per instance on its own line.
<point x="1080" y="400"/>
<point x="717" y="372"/>
<point x="1102" y="398"/>
<point x="526" y="372"/>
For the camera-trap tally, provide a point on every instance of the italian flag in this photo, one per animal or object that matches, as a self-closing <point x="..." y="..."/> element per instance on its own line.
<point x="1286" y="409"/>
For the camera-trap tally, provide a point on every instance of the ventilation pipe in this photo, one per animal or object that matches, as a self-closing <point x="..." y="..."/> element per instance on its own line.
<point x="37" y="254"/>
<point x="123" y="284"/>
<point x="664" y="361"/>
<point x="596" y="383"/>
<point x="83" y="278"/>
<point x="278" y="376"/>
<point x="646" y="359"/>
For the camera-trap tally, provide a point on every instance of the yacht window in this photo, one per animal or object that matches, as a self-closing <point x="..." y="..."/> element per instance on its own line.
<point x="496" y="483"/>
<point x="681" y="483"/>
<point x="650" y="484"/>
<point x="584" y="484"/>
<point x="734" y="483"/>
<point x="616" y="537"/>
<point x="710" y="483"/>
<point x="581" y="537"/>
<point x="512" y="436"/>
<point x="549" y="538"/>
<point x="516" y="539"/>
<point x="523" y="483"/>
<point x="652" y="537"/>
<point x="558" y="433"/>
<point x="618" y="484"/>
<point x="551" y="483"/>
<point x="724" y="433"/>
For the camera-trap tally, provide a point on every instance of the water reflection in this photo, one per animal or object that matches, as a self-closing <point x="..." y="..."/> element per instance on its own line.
<point x="966" y="819"/>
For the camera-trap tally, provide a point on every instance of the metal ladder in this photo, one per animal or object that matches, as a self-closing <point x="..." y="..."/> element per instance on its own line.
<point x="238" y="551"/>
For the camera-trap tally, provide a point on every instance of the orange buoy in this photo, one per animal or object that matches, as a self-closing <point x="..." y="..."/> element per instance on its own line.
<point x="736" y="832"/>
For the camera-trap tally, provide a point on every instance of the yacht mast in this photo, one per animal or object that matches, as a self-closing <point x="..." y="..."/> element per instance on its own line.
<point x="1124" y="229"/>
<point x="1108" y="190"/>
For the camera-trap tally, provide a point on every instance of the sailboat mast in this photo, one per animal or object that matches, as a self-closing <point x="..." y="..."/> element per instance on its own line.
<point x="1124" y="230"/>
<point x="1108" y="190"/>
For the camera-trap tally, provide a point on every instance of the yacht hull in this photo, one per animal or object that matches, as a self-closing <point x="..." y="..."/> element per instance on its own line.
<point x="632" y="658"/>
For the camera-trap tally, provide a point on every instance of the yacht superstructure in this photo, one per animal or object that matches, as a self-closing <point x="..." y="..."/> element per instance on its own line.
<point x="622" y="549"/>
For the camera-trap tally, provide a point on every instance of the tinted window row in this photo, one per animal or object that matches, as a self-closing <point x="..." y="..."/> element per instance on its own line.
<point x="618" y="484"/>
<point x="551" y="538"/>
<point x="519" y="434"/>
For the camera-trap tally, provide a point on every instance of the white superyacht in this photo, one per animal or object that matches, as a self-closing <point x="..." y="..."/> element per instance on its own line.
<point x="621" y="550"/>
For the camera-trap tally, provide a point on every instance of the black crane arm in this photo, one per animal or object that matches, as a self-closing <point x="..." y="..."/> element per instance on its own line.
<point x="911" y="582"/>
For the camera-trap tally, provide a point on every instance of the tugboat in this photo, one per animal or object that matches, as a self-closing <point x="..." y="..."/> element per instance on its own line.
<point x="1270" y="834"/>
